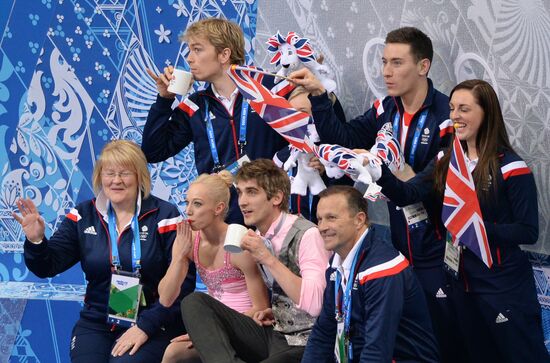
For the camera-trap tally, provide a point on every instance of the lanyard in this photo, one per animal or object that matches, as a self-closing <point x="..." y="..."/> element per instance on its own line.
<point x="212" y="137"/>
<point x="417" y="132"/>
<point x="345" y="310"/>
<point x="242" y="129"/>
<point x="136" y="244"/>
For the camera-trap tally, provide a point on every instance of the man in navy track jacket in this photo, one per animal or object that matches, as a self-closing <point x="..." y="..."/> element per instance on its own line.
<point x="373" y="309"/>
<point x="214" y="44"/>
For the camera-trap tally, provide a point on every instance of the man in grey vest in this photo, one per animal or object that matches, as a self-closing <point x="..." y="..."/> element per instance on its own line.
<point x="291" y="255"/>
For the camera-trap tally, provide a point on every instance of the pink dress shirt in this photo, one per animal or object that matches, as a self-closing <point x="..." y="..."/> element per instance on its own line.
<point x="312" y="259"/>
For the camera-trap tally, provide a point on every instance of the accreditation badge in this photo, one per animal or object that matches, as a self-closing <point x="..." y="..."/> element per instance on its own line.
<point x="415" y="213"/>
<point x="234" y="167"/>
<point x="124" y="299"/>
<point x="452" y="257"/>
<point x="342" y="343"/>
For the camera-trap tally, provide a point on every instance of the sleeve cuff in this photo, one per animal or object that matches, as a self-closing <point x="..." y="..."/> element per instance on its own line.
<point x="151" y="320"/>
<point x="149" y="327"/>
<point x="386" y="175"/>
<point x="321" y="102"/>
<point x="163" y="102"/>
<point x="35" y="248"/>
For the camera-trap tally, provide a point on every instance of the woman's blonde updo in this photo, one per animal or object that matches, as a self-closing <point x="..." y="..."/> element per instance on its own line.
<point x="218" y="185"/>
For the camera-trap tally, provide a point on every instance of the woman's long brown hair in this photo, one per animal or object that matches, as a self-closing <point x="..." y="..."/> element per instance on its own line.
<point x="491" y="140"/>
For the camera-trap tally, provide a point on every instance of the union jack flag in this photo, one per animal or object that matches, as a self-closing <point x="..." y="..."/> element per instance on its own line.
<point x="273" y="109"/>
<point x="461" y="213"/>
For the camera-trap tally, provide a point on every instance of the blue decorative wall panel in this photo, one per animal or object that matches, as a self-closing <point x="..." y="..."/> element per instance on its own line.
<point x="72" y="77"/>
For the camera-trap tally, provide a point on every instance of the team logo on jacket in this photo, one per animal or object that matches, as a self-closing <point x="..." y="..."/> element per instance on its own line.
<point x="144" y="233"/>
<point x="425" y="136"/>
<point x="501" y="318"/>
<point x="90" y="230"/>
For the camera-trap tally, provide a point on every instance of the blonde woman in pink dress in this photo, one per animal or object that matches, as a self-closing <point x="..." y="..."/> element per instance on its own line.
<point x="233" y="279"/>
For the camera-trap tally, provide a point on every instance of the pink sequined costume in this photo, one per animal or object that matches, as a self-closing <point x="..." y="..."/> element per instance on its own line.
<point x="226" y="284"/>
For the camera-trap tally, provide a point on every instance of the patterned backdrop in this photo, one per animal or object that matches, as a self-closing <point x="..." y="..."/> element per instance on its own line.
<point x="505" y="42"/>
<point x="72" y="76"/>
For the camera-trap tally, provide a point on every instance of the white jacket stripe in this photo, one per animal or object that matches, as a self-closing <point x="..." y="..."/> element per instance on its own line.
<point x="386" y="266"/>
<point x="169" y="224"/>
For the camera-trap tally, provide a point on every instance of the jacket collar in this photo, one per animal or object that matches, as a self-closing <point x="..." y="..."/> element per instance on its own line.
<point x="209" y="91"/>
<point x="102" y="204"/>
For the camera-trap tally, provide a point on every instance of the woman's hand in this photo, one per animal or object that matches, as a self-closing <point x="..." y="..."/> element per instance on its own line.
<point x="183" y="244"/>
<point x="183" y="339"/>
<point x="162" y="81"/>
<point x="33" y="225"/>
<point x="132" y="340"/>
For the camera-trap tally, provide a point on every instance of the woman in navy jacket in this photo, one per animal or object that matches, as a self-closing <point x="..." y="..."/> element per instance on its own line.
<point x="498" y="308"/>
<point x="123" y="211"/>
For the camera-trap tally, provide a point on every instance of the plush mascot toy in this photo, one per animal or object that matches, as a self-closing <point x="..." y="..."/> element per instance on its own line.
<point x="387" y="148"/>
<point x="292" y="52"/>
<point x="339" y="160"/>
<point x="306" y="176"/>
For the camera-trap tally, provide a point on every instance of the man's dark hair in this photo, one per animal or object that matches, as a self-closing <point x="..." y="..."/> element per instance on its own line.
<point x="421" y="44"/>
<point x="356" y="202"/>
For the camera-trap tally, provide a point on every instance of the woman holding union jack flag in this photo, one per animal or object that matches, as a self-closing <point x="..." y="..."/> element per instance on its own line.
<point x="501" y="314"/>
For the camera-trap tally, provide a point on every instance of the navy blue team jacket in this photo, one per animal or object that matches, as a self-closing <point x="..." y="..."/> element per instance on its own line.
<point x="389" y="320"/>
<point x="168" y="131"/>
<point x="510" y="216"/>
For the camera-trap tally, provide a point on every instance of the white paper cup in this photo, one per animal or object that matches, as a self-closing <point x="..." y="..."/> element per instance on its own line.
<point x="233" y="237"/>
<point x="181" y="82"/>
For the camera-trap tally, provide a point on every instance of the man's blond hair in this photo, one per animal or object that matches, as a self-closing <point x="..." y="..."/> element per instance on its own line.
<point x="222" y="34"/>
